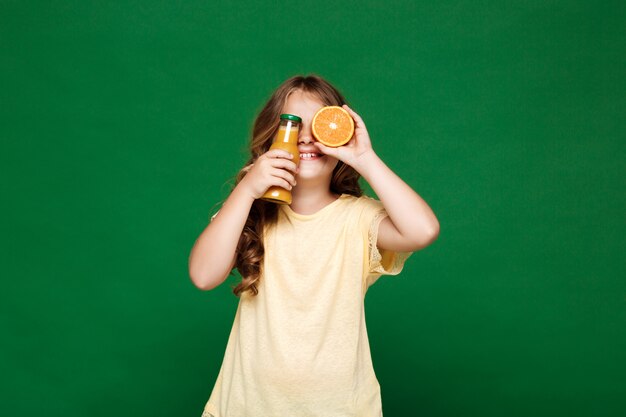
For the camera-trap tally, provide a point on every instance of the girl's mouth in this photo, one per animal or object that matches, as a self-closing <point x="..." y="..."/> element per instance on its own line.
<point x="310" y="156"/>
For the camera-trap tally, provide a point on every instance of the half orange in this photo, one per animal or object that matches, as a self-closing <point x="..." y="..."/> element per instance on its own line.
<point x="332" y="126"/>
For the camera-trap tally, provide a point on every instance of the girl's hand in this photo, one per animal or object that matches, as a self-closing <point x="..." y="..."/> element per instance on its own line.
<point x="274" y="167"/>
<point x="359" y="146"/>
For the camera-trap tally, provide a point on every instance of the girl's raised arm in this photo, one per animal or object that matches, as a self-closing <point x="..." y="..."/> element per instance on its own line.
<point x="213" y="255"/>
<point x="411" y="224"/>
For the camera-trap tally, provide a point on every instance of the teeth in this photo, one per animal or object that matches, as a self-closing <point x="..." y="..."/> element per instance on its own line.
<point x="308" y="155"/>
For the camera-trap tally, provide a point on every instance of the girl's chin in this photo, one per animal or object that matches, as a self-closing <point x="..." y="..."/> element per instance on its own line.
<point x="310" y="173"/>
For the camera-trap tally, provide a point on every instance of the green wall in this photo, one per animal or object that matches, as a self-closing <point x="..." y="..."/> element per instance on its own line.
<point x="122" y="124"/>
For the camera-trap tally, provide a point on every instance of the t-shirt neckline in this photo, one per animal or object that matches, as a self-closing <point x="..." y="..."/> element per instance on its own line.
<point x="327" y="207"/>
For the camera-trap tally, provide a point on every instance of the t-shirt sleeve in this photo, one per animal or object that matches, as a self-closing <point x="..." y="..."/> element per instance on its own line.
<point x="380" y="262"/>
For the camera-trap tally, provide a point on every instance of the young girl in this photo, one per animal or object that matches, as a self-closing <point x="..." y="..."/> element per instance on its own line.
<point x="299" y="344"/>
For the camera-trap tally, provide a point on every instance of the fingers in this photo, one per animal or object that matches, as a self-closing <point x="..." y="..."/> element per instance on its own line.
<point x="274" y="168"/>
<point x="325" y="149"/>
<point x="281" y="167"/>
<point x="280" y="158"/>
<point x="283" y="163"/>
<point x="355" y="116"/>
<point x="278" y="153"/>
<point x="285" y="178"/>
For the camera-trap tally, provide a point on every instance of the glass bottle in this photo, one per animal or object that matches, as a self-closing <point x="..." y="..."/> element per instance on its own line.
<point x="287" y="139"/>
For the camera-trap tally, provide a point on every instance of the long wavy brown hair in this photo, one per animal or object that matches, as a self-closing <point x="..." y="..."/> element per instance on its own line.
<point x="345" y="179"/>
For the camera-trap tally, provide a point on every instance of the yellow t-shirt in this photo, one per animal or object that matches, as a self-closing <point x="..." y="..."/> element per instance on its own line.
<point x="300" y="347"/>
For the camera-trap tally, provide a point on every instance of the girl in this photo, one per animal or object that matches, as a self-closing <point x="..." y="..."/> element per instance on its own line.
<point x="299" y="345"/>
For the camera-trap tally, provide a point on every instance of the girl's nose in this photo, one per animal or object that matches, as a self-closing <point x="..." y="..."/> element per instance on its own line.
<point x="305" y="136"/>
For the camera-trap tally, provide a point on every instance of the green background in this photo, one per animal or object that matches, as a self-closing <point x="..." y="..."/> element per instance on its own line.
<point x="122" y="125"/>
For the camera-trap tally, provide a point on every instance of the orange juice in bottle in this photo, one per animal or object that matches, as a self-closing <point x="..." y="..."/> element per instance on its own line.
<point x="287" y="139"/>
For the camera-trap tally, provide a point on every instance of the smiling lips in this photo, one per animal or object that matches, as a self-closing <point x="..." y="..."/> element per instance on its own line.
<point x="310" y="156"/>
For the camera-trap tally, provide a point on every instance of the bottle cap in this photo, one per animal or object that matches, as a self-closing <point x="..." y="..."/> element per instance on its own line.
<point x="291" y="117"/>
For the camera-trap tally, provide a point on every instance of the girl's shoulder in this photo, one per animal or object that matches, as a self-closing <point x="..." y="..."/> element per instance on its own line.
<point x="365" y="201"/>
<point x="363" y="204"/>
<point x="354" y="201"/>
<point x="362" y="199"/>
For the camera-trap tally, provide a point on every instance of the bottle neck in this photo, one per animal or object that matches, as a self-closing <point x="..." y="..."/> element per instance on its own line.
<point x="287" y="133"/>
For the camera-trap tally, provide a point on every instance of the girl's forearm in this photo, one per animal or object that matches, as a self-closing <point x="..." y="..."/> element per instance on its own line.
<point x="212" y="256"/>
<point x="408" y="212"/>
